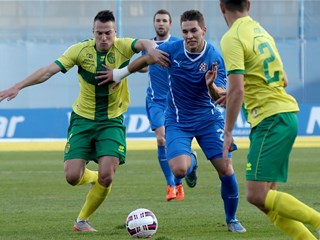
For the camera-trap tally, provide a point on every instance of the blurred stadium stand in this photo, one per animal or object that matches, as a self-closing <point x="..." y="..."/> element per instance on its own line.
<point x="35" y="33"/>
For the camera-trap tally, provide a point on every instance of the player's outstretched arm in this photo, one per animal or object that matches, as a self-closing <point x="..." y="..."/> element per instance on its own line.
<point x="116" y="75"/>
<point x="39" y="76"/>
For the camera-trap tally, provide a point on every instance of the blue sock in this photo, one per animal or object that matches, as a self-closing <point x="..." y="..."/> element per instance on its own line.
<point x="177" y="181"/>
<point x="230" y="196"/>
<point x="162" y="157"/>
<point x="193" y="164"/>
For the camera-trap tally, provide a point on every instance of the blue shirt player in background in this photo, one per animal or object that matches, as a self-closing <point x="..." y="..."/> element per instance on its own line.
<point x="157" y="91"/>
<point x="197" y="79"/>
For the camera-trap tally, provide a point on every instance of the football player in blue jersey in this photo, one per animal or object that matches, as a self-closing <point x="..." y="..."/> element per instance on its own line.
<point x="197" y="78"/>
<point x="158" y="87"/>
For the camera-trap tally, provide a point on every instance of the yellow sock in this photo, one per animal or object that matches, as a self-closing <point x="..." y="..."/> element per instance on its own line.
<point x="94" y="199"/>
<point x="292" y="228"/>
<point x="289" y="207"/>
<point x="88" y="176"/>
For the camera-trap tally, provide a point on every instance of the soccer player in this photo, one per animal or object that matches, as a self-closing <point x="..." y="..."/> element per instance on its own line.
<point x="158" y="87"/>
<point x="96" y="129"/>
<point x="256" y="78"/>
<point x="197" y="78"/>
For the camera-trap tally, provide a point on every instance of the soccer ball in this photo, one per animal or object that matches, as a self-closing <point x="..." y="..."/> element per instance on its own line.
<point x="141" y="223"/>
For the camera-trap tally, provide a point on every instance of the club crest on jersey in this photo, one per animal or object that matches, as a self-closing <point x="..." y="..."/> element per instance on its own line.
<point x="110" y="57"/>
<point x="203" y="67"/>
<point x="89" y="55"/>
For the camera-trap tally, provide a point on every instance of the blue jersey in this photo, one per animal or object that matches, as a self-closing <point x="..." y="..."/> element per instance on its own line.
<point x="189" y="102"/>
<point x="158" y="83"/>
<point x="158" y="79"/>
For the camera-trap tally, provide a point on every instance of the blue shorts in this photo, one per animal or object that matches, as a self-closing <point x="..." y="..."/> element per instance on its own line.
<point x="155" y="113"/>
<point x="209" y="136"/>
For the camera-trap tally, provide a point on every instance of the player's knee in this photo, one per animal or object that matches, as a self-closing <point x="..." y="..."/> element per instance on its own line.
<point x="225" y="172"/>
<point x="72" y="179"/>
<point x="255" y="199"/>
<point x="105" y="180"/>
<point x="179" y="172"/>
<point x="161" y="141"/>
<point x="73" y="171"/>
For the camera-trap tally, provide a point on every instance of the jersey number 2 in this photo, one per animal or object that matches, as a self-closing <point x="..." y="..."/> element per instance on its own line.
<point x="265" y="48"/>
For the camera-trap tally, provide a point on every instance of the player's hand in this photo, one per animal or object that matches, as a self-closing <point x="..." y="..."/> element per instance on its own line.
<point x="212" y="74"/>
<point x="9" y="93"/>
<point x="105" y="76"/>
<point x="222" y="100"/>
<point x="159" y="57"/>
<point x="215" y="92"/>
<point x="227" y="145"/>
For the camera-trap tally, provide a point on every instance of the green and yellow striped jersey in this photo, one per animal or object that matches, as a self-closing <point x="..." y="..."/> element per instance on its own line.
<point x="249" y="50"/>
<point x="99" y="102"/>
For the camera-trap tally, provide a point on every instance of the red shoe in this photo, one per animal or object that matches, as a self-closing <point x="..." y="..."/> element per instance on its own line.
<point x="171" y="193"/>
<point x="180" y="192"/>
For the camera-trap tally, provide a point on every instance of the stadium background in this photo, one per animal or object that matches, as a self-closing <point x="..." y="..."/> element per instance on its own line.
<point x="35" y="33"/>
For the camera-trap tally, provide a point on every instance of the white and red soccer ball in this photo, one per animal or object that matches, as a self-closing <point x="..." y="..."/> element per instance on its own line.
<point x="141" y="223"/>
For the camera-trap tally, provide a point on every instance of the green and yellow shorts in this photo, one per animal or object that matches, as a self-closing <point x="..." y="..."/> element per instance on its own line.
<point x="90" y="139"/>
<point x="271" y="142"/>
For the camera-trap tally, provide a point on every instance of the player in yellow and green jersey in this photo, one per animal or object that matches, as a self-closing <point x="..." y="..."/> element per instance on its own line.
<point x="257" y="79"/>
<point x="96" y="131"/>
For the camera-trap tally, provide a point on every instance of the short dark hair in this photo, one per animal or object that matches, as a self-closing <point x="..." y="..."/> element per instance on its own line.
<point x="235" y="5"/>
<point x="104" y="16"/>
<point x="162" y="11"/>
<point x="193" y="15"/>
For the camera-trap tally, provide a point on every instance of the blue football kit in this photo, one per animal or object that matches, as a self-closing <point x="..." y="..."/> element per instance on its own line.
<point x="156" y="97"/>
<point x="190" y="111"/>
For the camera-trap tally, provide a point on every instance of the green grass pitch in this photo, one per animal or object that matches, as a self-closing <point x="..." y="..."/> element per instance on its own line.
<point x="37" y="203"/>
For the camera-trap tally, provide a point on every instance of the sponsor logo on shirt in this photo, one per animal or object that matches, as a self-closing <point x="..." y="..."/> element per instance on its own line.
<point x="178" y="63"/>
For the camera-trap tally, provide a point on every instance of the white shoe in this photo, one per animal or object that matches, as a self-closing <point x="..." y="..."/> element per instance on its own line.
<point x="235" y="226"/>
